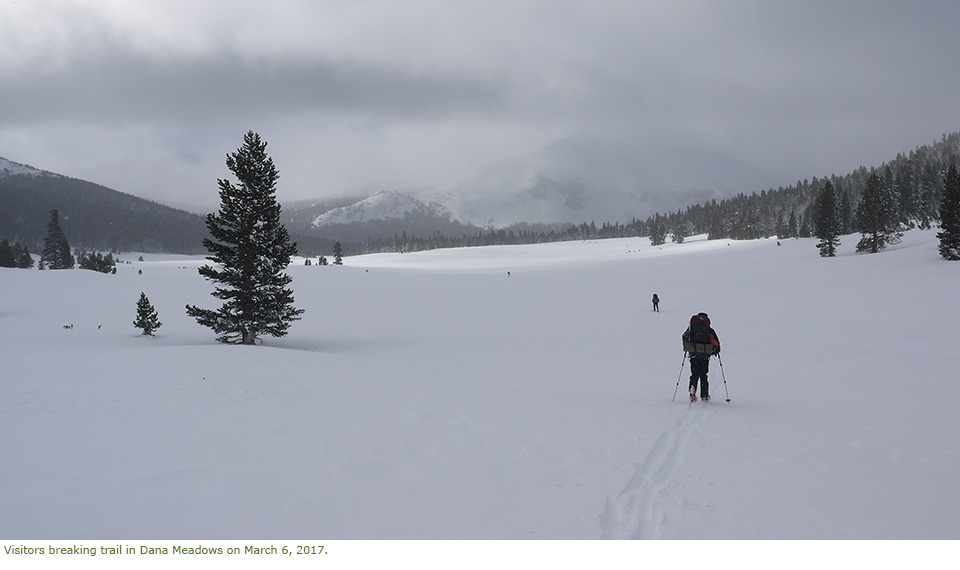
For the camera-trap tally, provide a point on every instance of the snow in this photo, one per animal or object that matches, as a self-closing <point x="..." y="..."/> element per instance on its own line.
<point x="8" y="168"/>
<point x="612" y="177"/>
<point x="381" y="206"/>
<point x="572" y="180"/>
<point x="433" y="396"/>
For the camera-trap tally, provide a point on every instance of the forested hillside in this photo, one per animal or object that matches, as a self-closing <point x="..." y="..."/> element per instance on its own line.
<point x="94" y="217"/>
<point x="97" y="218"/>
<point x="915" y="178"/>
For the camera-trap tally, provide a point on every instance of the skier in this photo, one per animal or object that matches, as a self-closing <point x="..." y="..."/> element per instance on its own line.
<point x="656" y="303"/>
<point x="700" y="342"/>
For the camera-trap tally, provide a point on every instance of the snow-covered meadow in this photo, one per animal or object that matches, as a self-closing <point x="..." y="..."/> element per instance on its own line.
<point x="435" y="395"/>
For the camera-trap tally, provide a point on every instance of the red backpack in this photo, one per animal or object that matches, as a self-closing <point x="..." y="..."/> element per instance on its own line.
<point x="701" y="340"/>
<point x="700" y="328"/>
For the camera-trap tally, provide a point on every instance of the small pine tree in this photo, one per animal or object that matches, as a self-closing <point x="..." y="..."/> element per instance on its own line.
<point x="827" y="221"/>
<point x="56" y="250"/>
<point x="949" y="235"/>
<point x="97" y="262"/>
<point x="337" y="254"/>
<point x="147" y="320"/>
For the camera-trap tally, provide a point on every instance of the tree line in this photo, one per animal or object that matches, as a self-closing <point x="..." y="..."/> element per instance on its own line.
<point x="56" y="253"/>
<point x="879" y="202"/>
<point x="15" y="255"/>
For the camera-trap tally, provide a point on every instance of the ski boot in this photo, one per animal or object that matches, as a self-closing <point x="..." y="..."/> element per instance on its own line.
<point x="693" y="393"/>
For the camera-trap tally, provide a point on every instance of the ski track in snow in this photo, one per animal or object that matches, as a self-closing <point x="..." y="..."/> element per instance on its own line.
<point x="640" y="510"/>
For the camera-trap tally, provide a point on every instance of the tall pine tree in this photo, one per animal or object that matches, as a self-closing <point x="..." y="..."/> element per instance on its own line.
<point x="6" y="254"/>
<point x="827" y="221"/>
<point x="22" y="257"/>
<point x="658" y="232"/>
<point x="878" y="218"/>
<point x="949" y="233"/>
<point x="251" y="248"/>
<point x="56" y="250"/>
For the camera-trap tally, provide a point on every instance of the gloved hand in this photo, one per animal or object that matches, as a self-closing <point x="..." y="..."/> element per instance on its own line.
<point x="716" y="350"/>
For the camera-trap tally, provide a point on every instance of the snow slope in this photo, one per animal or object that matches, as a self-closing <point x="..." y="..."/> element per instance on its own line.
<point x="434" y="396"/>
<point x="8" y="167"/>
<point x="381" y="206"/>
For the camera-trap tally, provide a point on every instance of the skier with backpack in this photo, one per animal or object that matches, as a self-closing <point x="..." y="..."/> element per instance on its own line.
<point x="656" y="303"/>
<point x="700" y="342"/>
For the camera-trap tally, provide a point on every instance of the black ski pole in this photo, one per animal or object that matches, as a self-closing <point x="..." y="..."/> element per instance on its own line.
<point x="724" y="377"/>
<point x="682" y="362"/>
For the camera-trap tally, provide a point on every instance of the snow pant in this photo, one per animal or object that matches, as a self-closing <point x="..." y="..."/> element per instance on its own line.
<point x="656" y="307"/>
<point x="698" y="371"/>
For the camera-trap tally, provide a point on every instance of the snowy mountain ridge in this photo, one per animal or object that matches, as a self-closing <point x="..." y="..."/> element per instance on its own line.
<point x="573" y="180"/>
<point x="384" y="205"/>
<point x="10" y="168"/>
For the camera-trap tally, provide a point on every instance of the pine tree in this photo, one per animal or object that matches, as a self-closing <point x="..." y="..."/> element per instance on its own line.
<point x="337" y="253"/>
<point x="949" y="235"/>
<point x="56" y="251"/>
<point x="877" y="217"/>
<point x="251" y="248"/>
<point x="97" y="262"/>
<point x="15" y="255"/>
<point x="929" y="198"/>
<point x="6" y="254"/>
<point x="25" y="260"/>
<point x="680" y="231"/>
<point x="846" y="214"/>
<point x="658" y="235"/>
<point x="827" y="221"/>
<point x="147" y="320"/>
<point x="907" y="189"/>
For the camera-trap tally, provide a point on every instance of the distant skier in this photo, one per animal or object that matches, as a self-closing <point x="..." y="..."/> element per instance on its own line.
<point x="656" y="303"/>
<point x="700" y="342"/>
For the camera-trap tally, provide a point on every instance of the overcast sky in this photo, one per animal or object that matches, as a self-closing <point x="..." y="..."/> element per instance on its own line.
<point x="148" y="97"/>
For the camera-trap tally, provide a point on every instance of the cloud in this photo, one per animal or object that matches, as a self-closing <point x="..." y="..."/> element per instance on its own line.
<point x="120" y="89"/>
<point x="417" y="93"/>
